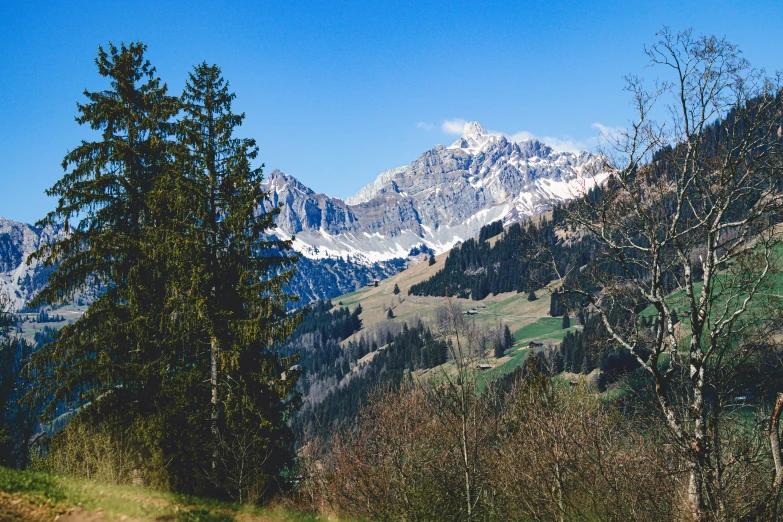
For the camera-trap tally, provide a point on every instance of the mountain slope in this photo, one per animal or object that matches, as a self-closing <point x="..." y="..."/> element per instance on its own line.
<point x="17" y="242"/>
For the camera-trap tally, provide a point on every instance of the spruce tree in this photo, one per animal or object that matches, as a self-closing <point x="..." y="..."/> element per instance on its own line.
<point x="235" y="279"/>
<point x="566" y="321"/>
<point x="396" y="290"/>
<point x="119" y="190"/>
<point x="508" y="338"/>
<point x="500" y="349"/>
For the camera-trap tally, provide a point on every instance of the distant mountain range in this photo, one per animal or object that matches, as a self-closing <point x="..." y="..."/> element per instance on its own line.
<point x="440" y="199"/>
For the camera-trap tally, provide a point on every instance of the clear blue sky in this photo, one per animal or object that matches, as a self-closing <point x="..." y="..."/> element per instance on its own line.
<point x="336" y="92"/>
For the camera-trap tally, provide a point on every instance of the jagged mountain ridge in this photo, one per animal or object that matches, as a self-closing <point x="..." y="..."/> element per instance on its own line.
<point x="315" y="278"/>
<point x="440" y="199"/>
<point x="17" y="241"/>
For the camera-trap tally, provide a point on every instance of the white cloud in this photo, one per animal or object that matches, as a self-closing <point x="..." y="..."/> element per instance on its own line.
<point x="453" y="126"/>
<point x="564" y="143"/>
<point x="608" y="134"/>
<point x="426" y="126"/>
<point x="521" y="136"/>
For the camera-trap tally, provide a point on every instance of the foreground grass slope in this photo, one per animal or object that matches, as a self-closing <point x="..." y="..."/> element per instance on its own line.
<point x="26" y="495"/>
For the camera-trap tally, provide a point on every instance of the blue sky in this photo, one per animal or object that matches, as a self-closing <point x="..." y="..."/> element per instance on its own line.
<point x="336" y="92"/>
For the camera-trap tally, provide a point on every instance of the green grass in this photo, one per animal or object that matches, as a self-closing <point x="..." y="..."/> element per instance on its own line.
<point x="546" y="328"/>
<point x="518" y="357"/>
<point x="352" y="298"/>
<point x="116" y="502"/>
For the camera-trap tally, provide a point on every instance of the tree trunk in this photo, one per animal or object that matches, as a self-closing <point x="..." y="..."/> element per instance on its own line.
<point x="214" y="383"/>
<point x="774" y="441"/>
<point x="696" y="475"/>
<point x="465" y="457"/>
<point x="695" y="494"/>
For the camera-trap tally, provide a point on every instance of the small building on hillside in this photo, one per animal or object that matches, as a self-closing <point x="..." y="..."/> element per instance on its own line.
<point x="535" y="344"/>
<point x="484" y="367"/>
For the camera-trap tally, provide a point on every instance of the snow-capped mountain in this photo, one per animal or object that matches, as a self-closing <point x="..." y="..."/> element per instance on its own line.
<point x="443" y="197"/>
<point x="315" y="278"/>
<point x="17" y="242"/>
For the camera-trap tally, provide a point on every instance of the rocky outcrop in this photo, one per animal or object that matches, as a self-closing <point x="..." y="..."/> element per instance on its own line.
<point x="17" y="241"/>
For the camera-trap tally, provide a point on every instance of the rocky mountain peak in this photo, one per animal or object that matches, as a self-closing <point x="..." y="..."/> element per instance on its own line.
<point x="473" y="130"/>
<point x="474" y="135"/>
<point x="443" y="197"/>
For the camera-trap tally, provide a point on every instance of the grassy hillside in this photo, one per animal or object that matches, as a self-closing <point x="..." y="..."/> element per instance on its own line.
<point x="529" y="320"/>
<point x="31" y="496"/>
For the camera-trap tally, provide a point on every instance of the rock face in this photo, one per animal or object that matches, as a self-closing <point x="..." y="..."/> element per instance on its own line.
<point x="443" y="197"/>
<point x="17" y="242"/>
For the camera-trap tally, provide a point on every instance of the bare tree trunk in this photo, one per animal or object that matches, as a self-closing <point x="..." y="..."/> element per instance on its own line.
<point x="774" y="441"/>
<point x="696" y="476"/>
<point x="695" y="494"/>
<point x="468" y="494"/>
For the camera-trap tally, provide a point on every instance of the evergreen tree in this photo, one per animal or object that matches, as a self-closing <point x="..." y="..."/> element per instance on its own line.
<point x="500" y="349"/>
<point x="431" y="260"/>
<point x="120" y="189"/>
<point x="17" y="417"/>
<point x="566" y="321"/>
<point x="390" y="314"/>
<point x="532" y="296"/>
<point x="396" y="290"/>
<point x="235" y="277"/>
<point x="508" y="338"/>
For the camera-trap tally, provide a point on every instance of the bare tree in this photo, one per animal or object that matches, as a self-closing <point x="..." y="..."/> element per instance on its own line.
<point x="688" y="224"/>
<point x="466" y="406"/>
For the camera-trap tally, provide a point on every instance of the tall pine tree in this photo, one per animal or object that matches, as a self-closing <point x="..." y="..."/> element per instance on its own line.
<point x="237" y="278"/>
<point x="114" y="189"/>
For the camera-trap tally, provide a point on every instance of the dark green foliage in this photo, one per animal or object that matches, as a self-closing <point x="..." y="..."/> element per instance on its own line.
<point x="566" y="321"/>
<point x="173" y="361"/>
<point x="491" y="230"/>
<point x="45" y="336"/>
<point x="44" y="317"/>
<point x="115" y="189"/>
<point x="508" y="338"/>
<point x="17" y="417"/>
<point x="475" y="269"/>
<point x="317" y="342"/>
<point x="431" y="260"/>
<point x="232" y="281"/>
<point x="591" y="348"/>
<point x="396" y="290"/>
<point x="414" y="348"/>
<point x="532" y="296"/>
<point x="390" y="314"/>
<point x="556" y="307"/>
